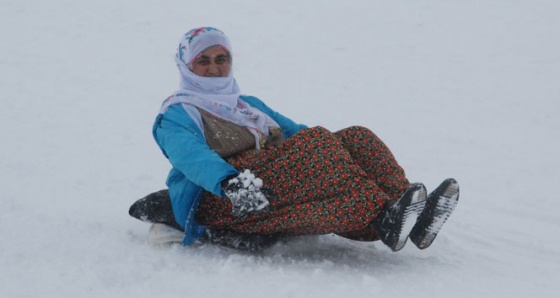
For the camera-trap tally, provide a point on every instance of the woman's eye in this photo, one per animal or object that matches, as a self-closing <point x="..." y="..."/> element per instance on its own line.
<point x="222" y="60"/>
<point x="203" y="62"/>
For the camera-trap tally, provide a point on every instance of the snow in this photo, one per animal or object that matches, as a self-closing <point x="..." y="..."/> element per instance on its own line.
<point x="245" y="194"/>
<point x="463" y="89"/>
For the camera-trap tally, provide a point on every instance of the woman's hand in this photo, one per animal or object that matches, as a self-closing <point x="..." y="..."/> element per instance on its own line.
<point x="246" y="195"/>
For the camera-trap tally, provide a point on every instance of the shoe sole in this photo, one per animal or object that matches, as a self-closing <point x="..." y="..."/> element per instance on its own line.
<point x="439" y="206"/>
<point x="410" y="214"/>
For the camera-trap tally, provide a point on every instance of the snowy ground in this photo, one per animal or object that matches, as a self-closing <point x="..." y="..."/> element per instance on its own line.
<point x="468" y="89"/>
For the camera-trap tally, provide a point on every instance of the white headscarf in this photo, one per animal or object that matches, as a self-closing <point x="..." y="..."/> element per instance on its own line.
<point x="216" y="95"/>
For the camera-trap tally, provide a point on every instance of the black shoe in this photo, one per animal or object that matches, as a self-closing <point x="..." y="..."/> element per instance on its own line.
<point x="396" y="220"/>
<point x="240" y="241"/>
<point x="155" y="208"/>
<point x="439" y="206"/>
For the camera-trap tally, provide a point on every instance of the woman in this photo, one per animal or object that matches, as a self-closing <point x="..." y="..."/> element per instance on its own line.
<point x="244" y="175"/>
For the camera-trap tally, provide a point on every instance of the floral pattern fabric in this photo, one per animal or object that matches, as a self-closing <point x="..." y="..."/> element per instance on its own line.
<point x="323" y="182"/>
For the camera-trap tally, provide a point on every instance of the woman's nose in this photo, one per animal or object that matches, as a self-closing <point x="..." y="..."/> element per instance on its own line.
<point x="213" y="69"/>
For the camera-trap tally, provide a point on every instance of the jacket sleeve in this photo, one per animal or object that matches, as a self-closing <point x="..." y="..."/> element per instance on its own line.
<point x="184" y="145"/>
<point x="289" y="127"/>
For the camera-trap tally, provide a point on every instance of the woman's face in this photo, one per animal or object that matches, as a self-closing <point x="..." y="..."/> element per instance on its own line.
<point x="212" y="62"/>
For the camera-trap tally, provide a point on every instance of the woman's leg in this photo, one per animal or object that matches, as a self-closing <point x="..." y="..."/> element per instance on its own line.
<point x="375" y="158"/>
<point x="319" y="190"/>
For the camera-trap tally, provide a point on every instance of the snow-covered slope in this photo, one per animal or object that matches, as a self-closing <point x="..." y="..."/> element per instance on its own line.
<point x="467" y="89"/>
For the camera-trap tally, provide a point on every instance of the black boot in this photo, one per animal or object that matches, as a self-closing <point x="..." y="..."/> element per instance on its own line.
<point x="396" y="220"/>
<point x="439" y="206"/>
<point x="155" y="208"/>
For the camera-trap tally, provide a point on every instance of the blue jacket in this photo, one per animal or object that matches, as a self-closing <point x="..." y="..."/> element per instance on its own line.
<point x="197" y="168"/>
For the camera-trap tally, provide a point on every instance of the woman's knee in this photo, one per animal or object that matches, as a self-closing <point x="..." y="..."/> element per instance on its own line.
<point x="355" y="131"/>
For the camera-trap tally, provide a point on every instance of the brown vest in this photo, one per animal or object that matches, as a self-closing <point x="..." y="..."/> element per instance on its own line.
<point x="228" y="139"/>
